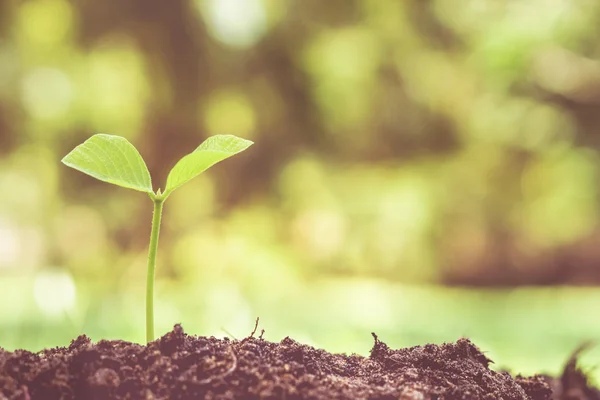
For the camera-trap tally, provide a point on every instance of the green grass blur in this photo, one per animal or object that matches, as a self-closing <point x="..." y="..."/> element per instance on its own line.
<point x="424" y="170"/>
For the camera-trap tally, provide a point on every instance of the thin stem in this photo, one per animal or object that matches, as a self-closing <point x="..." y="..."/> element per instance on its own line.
<point x="158" y="204"/>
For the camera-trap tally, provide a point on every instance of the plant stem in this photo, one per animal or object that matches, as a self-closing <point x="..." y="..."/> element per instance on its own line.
<point x="158" y="205"/>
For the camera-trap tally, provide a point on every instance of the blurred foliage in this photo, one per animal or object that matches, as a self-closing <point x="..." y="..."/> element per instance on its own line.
<point x="414" y="142"/>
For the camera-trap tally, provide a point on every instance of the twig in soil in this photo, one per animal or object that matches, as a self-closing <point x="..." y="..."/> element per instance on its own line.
<point x="574" y="380"/>
<point x="571" y="366"/>
<point x="255" y="327"/>
<point x="253" y="332"/>
<point x="229" y="334"/>
<point x="375" y="337"/>
<point x="583" y="347"/>
<point x="224" y="374"/>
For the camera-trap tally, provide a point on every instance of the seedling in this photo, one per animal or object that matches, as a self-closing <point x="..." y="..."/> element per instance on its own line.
<point x="114" y="160"/>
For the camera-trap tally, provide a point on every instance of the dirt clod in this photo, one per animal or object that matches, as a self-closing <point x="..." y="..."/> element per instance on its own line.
<point x="179" y="366"/>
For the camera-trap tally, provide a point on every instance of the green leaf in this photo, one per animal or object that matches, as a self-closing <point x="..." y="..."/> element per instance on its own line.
<point x="111" y="159"/>
<point x="211" y="151"/>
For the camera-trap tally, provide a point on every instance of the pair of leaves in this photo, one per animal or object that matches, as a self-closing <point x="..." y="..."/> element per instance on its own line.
<point x="114" y="160"/>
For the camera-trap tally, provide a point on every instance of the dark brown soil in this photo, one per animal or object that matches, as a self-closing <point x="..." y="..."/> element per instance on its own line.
<point x="178" y="366"/>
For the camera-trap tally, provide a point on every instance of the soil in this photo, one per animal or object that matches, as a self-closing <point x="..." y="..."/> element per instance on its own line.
<point x="179" y="366"/>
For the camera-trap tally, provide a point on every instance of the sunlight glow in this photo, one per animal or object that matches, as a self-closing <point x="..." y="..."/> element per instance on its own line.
<point x="237" y="23"/>
<point x="54" y="292"/>
<point x="46" y="92"/>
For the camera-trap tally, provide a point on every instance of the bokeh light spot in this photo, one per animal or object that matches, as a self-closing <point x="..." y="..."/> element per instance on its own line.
<point x="117" y="86"/>
<point x="54" y="292"/>
<point x="10" y="245"/>
<point x="45" y="22"/>
<point x="46" y="92"/>
<point x="237" y="23"/>
<point x="230" y="112"/>
<point x="319" y="233"/>
<point x="560" y="197"/>
<point x="81" y="233"/>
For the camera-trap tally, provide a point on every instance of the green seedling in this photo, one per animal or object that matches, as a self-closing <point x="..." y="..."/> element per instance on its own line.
<point x="114" y="160"/>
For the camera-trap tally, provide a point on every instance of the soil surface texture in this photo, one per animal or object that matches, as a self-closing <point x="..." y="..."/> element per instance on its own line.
<point x="179" y="366"/>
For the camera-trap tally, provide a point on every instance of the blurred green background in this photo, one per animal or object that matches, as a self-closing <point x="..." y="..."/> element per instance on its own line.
<point x="422" y="169"/>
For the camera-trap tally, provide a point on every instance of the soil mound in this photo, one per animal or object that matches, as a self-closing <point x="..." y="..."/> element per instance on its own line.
<point x="179" y="366"/>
